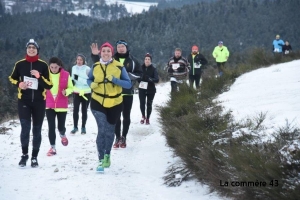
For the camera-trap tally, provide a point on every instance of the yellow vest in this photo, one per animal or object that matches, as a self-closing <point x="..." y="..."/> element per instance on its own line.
<point x="107" y="93"/>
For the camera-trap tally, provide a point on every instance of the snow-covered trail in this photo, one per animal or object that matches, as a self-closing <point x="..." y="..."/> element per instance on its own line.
<point x="135" y="173"/>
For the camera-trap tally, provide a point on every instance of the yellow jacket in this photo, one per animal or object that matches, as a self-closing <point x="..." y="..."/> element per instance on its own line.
<point x="107" y="93"/>
<point x="221" y="54"/>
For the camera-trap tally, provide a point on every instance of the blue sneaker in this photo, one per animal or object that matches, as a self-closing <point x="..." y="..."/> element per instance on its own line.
<point x="100" y="167"/>
<point x="74" y="130"/>
<point x="83" y="131"/>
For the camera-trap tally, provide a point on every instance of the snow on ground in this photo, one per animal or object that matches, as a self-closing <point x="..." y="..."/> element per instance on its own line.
<point x="85" y="12"/>
<point x="273" y="91"/>
<point x="136" y="172"/>
<point x="133" y="6"/>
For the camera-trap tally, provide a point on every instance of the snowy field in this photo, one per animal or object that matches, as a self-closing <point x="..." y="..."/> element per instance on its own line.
<point x="272" y="91"/>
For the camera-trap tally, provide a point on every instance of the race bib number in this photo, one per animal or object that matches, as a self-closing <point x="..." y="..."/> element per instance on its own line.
<point x="175" y="66"/>
<point x="143" y="85"/>
<point x="197" y="65"/>
<point x="276" y="50"/>
<point x="31" y="83"/>
<point x="286" y="52"/>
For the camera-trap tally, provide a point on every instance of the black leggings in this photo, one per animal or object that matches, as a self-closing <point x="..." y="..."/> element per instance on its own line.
<point x="77" y="100"/>
<point x="61" y="120"/>
<point x="221" y="66"/>
<point x="195" y="78"/>
<point x="173" y="86"/>
<point x="36" y="111"/>
<point x="142" y="96"/>
<point x="127" y="105"/>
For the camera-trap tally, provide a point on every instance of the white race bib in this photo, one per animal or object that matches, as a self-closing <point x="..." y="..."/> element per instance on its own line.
<point x="197" y="65"/>
<point x="31" y="83"/>
<point x="175" y="66"/>
<point x="286" y="52"/>
<point x="143" y="85"/>
<point x="276" y="50"/>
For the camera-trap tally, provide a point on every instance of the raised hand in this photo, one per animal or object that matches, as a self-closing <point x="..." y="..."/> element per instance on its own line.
<point x="94" y="49"/>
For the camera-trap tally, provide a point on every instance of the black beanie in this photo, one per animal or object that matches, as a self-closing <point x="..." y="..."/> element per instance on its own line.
<point x="122" y="42"/>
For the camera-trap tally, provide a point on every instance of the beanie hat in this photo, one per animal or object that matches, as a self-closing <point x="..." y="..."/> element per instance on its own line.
<point x="220" y="42"/>
<point x="83" y="57"/>
<point x="107" y="44"/>
<point x="32" y="42"/>
<point x="122" y="42"/>
<point x="195" y="47"/>
<point x="148" y="55"/>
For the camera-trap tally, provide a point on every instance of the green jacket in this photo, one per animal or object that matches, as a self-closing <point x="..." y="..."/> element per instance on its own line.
<point x="221" y="54"/>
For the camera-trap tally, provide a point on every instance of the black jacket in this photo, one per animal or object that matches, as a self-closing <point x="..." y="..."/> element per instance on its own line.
<point x="22" y="68"/>
<point x="286" y="48"/>
<point x="149" y="75"/>
<point x="131" y="65"/>
<point x="198" y="59"/>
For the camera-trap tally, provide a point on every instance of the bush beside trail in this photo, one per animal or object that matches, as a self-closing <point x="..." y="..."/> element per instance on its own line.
<point x="200" y="133"/>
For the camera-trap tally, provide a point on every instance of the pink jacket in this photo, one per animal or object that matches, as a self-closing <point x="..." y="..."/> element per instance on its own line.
<point x="60" y="101"/>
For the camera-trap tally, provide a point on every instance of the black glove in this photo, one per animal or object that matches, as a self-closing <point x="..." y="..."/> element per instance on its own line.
<point x="76" y="77"/>
<point x="145" y="77"/>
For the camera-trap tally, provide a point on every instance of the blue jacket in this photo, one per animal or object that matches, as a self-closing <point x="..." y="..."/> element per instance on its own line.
<point x="277" y="46"/>
<point x="80" y="76"/>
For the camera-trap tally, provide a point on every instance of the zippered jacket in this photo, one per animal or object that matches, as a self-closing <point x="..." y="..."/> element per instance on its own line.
<point x="220" y="54"/>
<point x="22" y="69"/>
<point x="150" y="76"/>
<point x="196" y="63"/>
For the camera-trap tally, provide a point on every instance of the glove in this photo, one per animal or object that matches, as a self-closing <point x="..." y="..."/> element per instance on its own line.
<point x="109" y="77"/>
<point x="76" y="77"/>
<point x="145" y="77"/>
<point x="81" y="93"/>
<point x="93" y="85"/>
